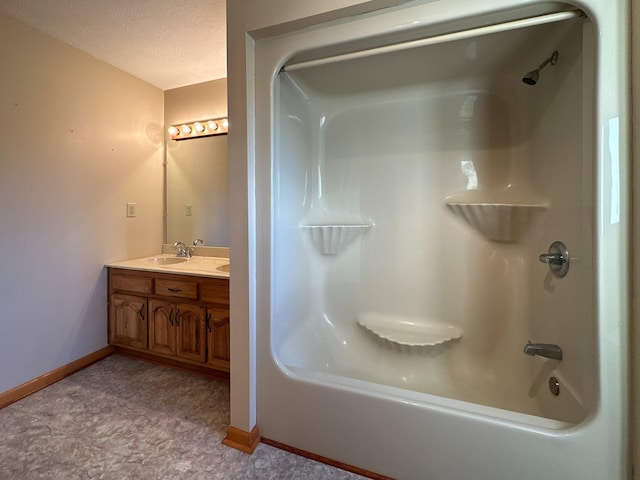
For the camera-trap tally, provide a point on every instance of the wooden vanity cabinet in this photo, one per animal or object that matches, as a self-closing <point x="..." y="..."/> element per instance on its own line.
<point x="177" y="329"/>
<point x="218" y="333"/>
<point x="176" y="319"/>
<point x="128" y="321"/>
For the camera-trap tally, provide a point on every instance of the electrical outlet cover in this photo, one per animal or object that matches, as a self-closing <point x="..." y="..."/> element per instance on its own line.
<point x="131" y="209"/>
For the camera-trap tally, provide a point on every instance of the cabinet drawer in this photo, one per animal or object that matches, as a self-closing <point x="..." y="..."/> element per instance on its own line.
<point x="176" y="288"/>
<point x="130" y="283"/>
<point x="215" y="292"/>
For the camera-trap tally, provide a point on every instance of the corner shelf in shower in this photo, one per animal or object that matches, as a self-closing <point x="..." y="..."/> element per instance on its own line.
<point x="330" y="239"/>
<point x="501" y="222"/>
<point x="408" y="331"/>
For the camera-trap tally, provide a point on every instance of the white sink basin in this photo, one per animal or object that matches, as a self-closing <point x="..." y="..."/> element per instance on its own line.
<point x="223" y="268"/>
<point x="167" y="260"/>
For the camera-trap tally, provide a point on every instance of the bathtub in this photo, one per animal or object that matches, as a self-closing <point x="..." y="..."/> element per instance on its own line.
<point x="407" y="183"/>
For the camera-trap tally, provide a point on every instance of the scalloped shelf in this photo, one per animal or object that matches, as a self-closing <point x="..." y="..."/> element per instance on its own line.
<point x="501" y="222"/>
<point x="330" y="239"/>
<point x="408" y="331"/>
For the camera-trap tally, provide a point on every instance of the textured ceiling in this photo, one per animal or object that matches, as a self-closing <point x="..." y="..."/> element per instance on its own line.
<point x="167" y="43"/>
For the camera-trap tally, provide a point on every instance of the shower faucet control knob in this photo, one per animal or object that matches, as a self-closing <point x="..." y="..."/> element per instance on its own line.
<point x="557" y="258"/>
<point x="551" y="258"/>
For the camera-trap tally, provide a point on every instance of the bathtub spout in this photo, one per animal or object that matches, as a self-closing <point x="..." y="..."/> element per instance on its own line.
<point x="544" y="350"/>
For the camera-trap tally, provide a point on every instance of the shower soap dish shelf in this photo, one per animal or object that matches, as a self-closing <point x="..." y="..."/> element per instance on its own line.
<point x="409" y="331"/>
<point x="501" y="222"/>
<point x="329" y="239"/>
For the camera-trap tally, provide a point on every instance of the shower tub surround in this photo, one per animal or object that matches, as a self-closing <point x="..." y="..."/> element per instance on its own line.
<point x="449" y="179"/>
<point x="423" y="186"/>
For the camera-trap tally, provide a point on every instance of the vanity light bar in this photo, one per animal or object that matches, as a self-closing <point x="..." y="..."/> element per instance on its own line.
<point x="201" y="128"/>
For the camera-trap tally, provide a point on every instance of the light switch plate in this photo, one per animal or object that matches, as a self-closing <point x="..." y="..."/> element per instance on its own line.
<point x="131" y="209"/>
<point x="188" y="209"/>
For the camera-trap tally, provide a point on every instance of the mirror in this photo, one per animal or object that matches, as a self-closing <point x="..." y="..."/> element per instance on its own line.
<point x="197" y="193"/>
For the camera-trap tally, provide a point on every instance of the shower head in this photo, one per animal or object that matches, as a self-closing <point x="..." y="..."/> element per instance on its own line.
<point x="531" y="78"/>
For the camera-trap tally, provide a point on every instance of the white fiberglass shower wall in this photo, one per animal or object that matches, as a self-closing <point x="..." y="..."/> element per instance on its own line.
<point x="422" y="201"/>
<point x="410" y="194"/>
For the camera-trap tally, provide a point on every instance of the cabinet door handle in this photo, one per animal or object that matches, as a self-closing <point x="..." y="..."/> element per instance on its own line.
<point x="171" y="317"/>
<point x="175" y="290"/>
<point x="208" y="321"/>
<point x="177" y="319"/>
<point x="142" y="312"/>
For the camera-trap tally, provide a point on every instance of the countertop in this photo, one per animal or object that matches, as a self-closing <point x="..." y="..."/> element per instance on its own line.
<point x="201" y="266"/>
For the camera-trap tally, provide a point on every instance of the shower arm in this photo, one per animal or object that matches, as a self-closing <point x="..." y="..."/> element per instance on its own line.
<point x="553" y="59"/>
<point x="447" y="37"/>
<point x="544" y="64"/>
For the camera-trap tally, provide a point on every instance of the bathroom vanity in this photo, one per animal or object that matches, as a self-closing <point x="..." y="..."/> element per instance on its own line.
<point x="172" y="313"/>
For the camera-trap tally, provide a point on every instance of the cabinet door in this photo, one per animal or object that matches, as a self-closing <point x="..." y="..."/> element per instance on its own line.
<point x="191" y="336"/>
<point x="218" y="338"/>
<point x="162" y="334"/>
<point x="128" y="321"/>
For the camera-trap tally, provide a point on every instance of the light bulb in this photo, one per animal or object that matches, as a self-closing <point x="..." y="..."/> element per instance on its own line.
<point x="186" y="129"/>
<point x="173" y="131"/>
<point x="213" y="126"/>
<point x="225" y="123"/>
<point x="199" y="127"/>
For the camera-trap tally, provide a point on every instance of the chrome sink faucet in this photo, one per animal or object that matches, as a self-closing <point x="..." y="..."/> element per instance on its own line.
<point x="547" y="350"/>
<point x="182" y="250"/>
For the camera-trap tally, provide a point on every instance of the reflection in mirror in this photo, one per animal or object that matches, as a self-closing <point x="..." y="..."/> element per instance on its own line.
<point x="197" y="191"/>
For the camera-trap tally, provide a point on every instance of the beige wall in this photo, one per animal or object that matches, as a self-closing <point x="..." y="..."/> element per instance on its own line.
<point x="196" y="102"/>
<point x="246" y="21"/>
<point x="78" y="140"/>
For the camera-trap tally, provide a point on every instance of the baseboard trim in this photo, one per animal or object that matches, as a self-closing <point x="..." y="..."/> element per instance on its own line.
<point x="32" y="386"/>
<point x="328" y="461"/>
<point x="240" y="440"/>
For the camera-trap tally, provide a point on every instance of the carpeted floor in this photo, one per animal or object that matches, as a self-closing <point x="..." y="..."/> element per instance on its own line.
<point x="125" y="419"/>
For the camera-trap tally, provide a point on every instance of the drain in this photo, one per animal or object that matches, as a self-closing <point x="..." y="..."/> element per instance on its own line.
<point x="554" y="386"/>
